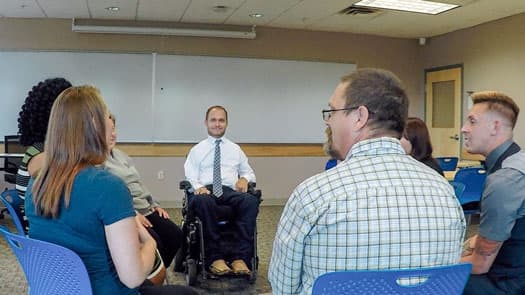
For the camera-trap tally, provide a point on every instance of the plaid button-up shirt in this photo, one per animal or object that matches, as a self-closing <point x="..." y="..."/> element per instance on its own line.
<point x="378" y="209"/>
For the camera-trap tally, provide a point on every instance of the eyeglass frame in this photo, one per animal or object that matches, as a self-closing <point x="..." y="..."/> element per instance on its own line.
<point x="329" y="112"/>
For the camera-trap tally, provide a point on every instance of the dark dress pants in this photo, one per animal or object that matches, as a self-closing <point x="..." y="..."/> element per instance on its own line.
<point x="167" y="235"/>
<point x="245" y="208"/>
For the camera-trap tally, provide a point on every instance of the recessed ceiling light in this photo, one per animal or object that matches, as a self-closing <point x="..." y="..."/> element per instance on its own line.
<point x="113" y="8"/>
<point x="220" y="8"/>
<point x="256" y="15"/>
<point x="420" y="6"/>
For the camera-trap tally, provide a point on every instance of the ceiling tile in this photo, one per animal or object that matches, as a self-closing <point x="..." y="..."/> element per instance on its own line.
<point x="65" y="8"/>
<point x="128" y="9"/>
<point x="271" y="9"/>
<point x="20" y="8"/>
<point x="201" y="11"/>
<point x="382" y="21"/>
<point x="309" y="11"/>
<point x="161" y="10"/>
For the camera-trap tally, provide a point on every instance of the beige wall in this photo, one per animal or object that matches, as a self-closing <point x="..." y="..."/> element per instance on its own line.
<point x="493" y="56"/>
<point x="277" y="176"/>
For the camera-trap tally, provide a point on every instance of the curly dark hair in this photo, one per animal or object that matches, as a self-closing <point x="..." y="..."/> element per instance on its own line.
<point x="34" y="116"/>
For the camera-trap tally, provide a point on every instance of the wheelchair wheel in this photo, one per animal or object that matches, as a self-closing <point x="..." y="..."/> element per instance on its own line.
<point x="253" y="277"/>
<point x="255" y="267"/>
<point x="191" y="272"/>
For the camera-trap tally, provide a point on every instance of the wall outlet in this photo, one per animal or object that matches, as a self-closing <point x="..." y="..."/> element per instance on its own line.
<point x="160" y="175"/>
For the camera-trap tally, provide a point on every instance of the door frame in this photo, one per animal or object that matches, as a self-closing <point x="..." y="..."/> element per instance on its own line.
<point x="461" y="105"/>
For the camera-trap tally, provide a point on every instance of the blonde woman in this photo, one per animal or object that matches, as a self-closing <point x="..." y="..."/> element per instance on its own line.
<point x="75" y="203"/>
<point x="149" y="212"/>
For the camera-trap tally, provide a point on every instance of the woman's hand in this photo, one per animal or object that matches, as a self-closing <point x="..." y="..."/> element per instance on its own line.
<point x="163" y="213"/>
<point x="141" y="219"/>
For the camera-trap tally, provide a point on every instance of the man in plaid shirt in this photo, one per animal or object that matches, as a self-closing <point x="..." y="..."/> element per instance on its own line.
<point x="377" y="209"/>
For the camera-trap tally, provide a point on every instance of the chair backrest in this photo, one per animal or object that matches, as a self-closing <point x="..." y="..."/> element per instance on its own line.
<point x="448" y="163"/>
<point x="13" y="202"/>
<point x="49" y="268"/>
<point x="473" y="178"/>
<point x="445" y="280"/>
<point x="459" y="188"/>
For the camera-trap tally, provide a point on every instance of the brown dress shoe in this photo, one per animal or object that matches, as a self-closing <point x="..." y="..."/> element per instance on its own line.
<point x="240" y="268"/>
<point x="219" y="267"/>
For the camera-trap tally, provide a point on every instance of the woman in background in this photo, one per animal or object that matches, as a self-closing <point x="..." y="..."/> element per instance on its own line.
<point x="156" y="220"/>
<point x="416" y="142"/>
<point x="68" y="202"/>
<point x="32" y="127"/>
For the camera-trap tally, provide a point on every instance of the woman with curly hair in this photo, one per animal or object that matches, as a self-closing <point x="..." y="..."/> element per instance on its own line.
<point x="32" y="127"/>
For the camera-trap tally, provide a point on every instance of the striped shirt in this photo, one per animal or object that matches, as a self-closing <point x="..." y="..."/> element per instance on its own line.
<point x="378" y="209"/>
<point x="22" y="176"/>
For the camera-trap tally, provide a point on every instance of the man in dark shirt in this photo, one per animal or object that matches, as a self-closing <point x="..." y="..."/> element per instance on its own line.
<point x="496" y="252"/>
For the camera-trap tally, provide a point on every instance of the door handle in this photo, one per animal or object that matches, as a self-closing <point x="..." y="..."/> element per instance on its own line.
<point x="455" y="137"/>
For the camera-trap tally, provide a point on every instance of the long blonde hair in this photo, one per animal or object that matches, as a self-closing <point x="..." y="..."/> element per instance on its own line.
<point x="76" y="138"/>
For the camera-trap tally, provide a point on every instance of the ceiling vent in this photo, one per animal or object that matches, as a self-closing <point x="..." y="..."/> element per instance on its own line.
<point x="355" y="10"/>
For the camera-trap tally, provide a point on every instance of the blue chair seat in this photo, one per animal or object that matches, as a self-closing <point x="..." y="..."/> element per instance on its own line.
<point x="470" y="197"/>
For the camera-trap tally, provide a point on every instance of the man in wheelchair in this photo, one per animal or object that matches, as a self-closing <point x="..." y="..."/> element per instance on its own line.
<point x="219" y="173"/>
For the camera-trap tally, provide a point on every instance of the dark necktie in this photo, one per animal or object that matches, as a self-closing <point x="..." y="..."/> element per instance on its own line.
<point x="217" y="180"/>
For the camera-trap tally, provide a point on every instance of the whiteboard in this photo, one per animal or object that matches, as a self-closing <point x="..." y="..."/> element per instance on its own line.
<point x="163" y="98"/>
<point x="270" y="101"/>
<point x="123" y="79"/>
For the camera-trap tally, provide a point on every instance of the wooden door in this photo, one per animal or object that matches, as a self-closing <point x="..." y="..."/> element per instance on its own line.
<point x="443" y="110"/>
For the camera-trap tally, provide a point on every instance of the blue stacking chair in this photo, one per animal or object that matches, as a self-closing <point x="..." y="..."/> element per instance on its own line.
<point x="330" y="164"/>
<point x="49" y="268"/>
<point x="448" y="163"/>
<point x="474" y="179"/>
<point x="459" y="189"/>
<point x="439" y="280"/>
<point x="12" y="203"/>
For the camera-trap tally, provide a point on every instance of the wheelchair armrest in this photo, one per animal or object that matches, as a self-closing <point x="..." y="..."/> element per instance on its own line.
<point x="253" y="191"/>
<point x="185" y="185"/>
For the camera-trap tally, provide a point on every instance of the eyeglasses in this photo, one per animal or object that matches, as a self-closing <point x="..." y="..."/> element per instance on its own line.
<point x="327" y="114"/>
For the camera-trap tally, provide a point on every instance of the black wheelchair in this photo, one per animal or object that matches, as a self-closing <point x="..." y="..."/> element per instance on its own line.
<point x="191" y="257"/>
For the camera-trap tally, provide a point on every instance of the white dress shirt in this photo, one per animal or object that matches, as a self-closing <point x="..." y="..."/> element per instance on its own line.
<point x="234" y="163"/>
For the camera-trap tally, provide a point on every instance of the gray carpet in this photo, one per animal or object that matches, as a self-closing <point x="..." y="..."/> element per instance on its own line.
<point x="12" y="280"/>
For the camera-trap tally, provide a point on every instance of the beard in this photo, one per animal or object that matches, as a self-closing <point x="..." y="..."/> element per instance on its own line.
<point x="328" y="146"/>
